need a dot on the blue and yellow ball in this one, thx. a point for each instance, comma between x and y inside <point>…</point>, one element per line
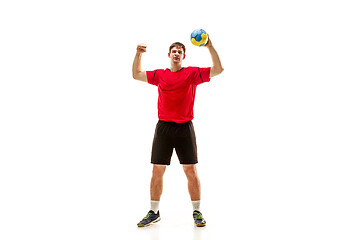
<point>199,37</point>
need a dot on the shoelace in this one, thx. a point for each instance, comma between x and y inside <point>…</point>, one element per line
<point>147,216</point>
<point>198,215</point>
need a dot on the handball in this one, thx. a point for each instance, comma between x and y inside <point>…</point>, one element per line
<point>199,37</point>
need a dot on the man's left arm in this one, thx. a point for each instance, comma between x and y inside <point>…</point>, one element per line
<point>217,68</point>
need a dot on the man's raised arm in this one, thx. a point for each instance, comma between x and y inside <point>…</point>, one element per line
<point>136,69</point>
<point>217,68</point>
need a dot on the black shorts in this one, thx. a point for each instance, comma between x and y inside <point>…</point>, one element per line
<point>170,135</point>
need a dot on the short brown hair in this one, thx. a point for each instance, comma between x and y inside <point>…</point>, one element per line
<point>178,45</point>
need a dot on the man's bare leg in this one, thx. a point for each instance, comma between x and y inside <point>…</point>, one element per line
<point>156,185</point>
<point>194,186</point>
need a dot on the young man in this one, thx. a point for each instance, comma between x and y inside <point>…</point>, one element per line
<point>177,87</point>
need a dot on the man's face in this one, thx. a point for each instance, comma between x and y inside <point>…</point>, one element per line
<point>176,55</point>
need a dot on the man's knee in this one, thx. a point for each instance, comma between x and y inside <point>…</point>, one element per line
<point>158,170</point>
<point>190,170</point>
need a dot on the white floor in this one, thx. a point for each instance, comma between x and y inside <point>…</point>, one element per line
<point>103,203</point>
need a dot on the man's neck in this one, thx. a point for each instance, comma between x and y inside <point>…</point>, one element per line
<point>175,67</point>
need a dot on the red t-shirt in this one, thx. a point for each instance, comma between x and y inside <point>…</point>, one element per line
<point>177,91</point>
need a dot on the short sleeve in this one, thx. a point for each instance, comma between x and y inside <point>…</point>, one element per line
<point>201,75</point>
<point>153,77</point>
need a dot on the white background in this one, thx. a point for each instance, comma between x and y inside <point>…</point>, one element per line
<point>278,131</point>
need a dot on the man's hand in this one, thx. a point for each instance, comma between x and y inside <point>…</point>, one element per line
<point>209,43</point>
<point>141,48</point>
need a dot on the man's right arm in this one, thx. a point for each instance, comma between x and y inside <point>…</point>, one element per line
<point>138,74</point>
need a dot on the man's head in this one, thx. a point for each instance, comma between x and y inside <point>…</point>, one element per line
<point>177,52</point>
<point>177,45</point>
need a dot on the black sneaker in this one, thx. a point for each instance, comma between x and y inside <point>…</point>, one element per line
<point>150,218</point>
<point>198,218</point>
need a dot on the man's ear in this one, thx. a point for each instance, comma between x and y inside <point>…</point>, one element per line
<point>184,56</point>
<point>168,54</point>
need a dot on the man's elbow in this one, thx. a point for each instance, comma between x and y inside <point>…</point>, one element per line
<point>216,71</point>
<point>221,70</point>
<point>141,76</point>
<point>136,75</point>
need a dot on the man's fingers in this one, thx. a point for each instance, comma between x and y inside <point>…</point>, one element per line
<point>141,47</point>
